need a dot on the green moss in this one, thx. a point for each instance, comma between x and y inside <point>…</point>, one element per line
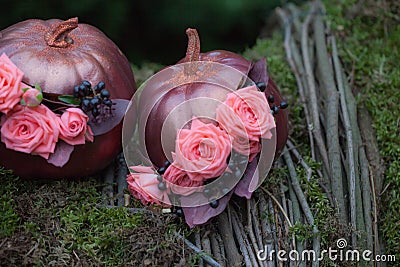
<point>8,217</point>
<point>369,48</point>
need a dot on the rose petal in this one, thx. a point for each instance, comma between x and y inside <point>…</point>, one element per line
<point>195,216</point>
<point>61,154</point>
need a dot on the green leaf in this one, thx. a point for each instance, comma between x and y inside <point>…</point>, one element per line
<point>37,86</point>
<point>69,99</point>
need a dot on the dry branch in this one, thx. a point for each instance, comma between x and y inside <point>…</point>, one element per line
<point>225,229</point>
<point>303,203</point>
<point>305,48</point>
<point>349,139</point>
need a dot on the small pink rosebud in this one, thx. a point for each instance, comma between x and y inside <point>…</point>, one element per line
<point>32,97</point>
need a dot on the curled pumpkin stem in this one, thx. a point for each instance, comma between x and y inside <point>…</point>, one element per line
<point>193,48</point>
<point>58,35</point>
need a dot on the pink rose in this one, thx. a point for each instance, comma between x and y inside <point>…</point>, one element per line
<point>74,129</point>
<point>32,97</point>
<point>143,185</point>
<point>30,130</point>
<point>246,115</point>
<point>246,147</point>
<point>179,181</point>
<point>202,150</point>
<point>10,84</point>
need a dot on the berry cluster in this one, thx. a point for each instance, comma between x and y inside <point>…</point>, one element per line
<point>95,100</point>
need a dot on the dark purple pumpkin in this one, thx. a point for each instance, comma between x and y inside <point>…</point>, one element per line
<point>174,97</point>
<point>58,55</point>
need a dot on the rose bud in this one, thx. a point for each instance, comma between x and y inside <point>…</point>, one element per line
<point>32,97</point>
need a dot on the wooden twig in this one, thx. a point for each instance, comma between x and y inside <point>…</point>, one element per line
<point>222,250</point>
<point>376,237</point>
<point>312,89</point>
<point>278,204</point>
<point>225,229</point>
<point>201,253</point>
<point>251,232</point>
<point>242,245</point>
<point>349,138</point>
<point>303,203</point>
<point>257,226</point>
<point>197,240</point>
<point>328,87</point>
<point>266,229</point>
<point>298,70</point>
<point>299,158</point>
<point>206,243</point>
<point>215,248</point>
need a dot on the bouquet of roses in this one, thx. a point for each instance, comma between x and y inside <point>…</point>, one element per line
<point>206,130</point>
<point>29,126</point>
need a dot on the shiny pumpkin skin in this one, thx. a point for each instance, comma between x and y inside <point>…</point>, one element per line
<point>176,96</point>
<point>91,56</point>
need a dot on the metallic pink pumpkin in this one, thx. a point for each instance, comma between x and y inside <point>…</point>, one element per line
<point>57,55</point>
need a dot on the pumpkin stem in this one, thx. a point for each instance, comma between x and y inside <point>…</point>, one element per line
<point>193,48</point>
<point>58,35</point>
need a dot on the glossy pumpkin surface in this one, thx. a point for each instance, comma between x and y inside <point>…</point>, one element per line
<point>57,55</point>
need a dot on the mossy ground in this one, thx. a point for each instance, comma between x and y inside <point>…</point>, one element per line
<point>60,223</point>
<point>369,35</point>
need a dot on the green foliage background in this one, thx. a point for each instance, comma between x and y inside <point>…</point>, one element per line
<point>154,30</point>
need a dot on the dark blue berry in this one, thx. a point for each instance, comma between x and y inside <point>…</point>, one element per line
<point>159,178</point>
<point>162,186</point>
<point>82,90</point>
<point>87,84</point>
<point>283,105</point>
<point>108,102</point>
<point>101,85</point>
<point>161,170</point>
<point>95,112</point>
<point>271,99</point>
<point>86,103</point>
<point>179,212</point>
<point>95,101</point>
<point>167,163</point>
<point>275,110</point>
<point>214,203</point>
<point>262,86</point>
<point>105,93</point>
<point>76,91</point>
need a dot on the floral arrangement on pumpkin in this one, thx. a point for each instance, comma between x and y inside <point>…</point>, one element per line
<point>207,128</point>
<point>51,131</point>
<point>207,150</point>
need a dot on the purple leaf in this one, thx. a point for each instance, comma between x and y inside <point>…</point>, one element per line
<point>109,123</point>
<point>201,214</point>
<point>61,154</point>
<point>249,181</point>
<point>258,72</point>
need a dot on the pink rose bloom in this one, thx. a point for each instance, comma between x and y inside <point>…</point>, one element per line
<point>202,150</point>
<point>143,185</point>
<point>73,127</point>
<point>31,130</point>
<point>246,147</point>
<point>32,97</point>
<point>10,84</point>
<point>179,181</point>
<point>246,115</point>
